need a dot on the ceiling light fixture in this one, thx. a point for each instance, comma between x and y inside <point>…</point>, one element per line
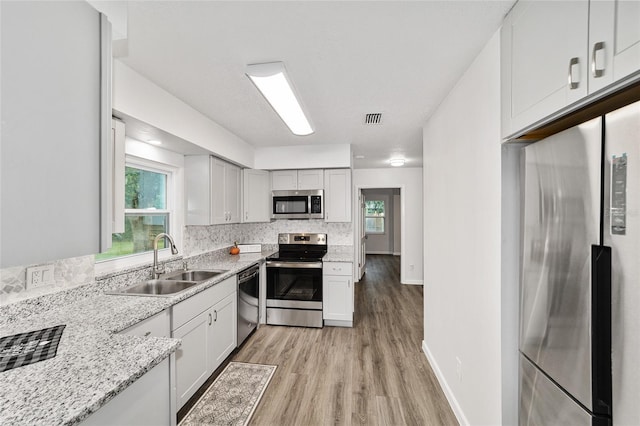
<point>397,162</point>
<point>155,142</point>
<point>272,81</point>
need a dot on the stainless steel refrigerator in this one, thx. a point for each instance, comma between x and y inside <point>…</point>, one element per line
<point>580,281</point>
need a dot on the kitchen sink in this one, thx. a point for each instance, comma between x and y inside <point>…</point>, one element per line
<point>194,275</point>
<point>162,287</point>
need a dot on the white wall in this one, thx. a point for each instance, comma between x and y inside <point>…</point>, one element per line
<point>139,98</point>
<point>326,156</point>
<point>462,231</point>
<point>409,180</point>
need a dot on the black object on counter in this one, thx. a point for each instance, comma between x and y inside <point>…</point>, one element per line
<point>27,348</point>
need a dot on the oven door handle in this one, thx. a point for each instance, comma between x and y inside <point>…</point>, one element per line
<point>299,265</point>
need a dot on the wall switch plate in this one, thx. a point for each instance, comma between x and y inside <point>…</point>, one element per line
<point>38,276</point>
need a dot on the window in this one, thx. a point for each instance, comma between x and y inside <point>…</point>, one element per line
<point>374,216</point>
<point>147,211</point>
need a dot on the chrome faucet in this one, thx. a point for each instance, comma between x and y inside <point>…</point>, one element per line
<point>157,269</point>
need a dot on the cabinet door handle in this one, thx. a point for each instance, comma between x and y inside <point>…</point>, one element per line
<point>246,215</point>
<point>597,72</point>
<point>216,315</point>
<point>573,84</point>
<point>210,318</point>
<point>348,283</point>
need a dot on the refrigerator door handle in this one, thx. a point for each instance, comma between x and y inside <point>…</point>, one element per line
<point>601,383</point>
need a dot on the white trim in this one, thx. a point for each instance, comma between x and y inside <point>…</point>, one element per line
<point>412,282</point>
<point>356,234</point>
<point>379,252</point>
<point>396,253</point>
<point>448,393</point>
<point>173,168</point>
<point>124,262</point>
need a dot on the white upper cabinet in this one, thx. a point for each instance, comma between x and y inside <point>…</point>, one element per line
<point>558,55</point>
<point>213,191</point>
<point>225,192</point>
<point>284,180</point>
<point>197,173</point>
<point>544,59</point>
<point>310,179</point>
<point>297,179</point>
<point>337,196</point>
<point>614,41</point>
<point>256,196</point>
<point>56,124</point>
<point>232,192</point>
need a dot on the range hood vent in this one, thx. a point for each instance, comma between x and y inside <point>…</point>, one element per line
<point>373,118</point>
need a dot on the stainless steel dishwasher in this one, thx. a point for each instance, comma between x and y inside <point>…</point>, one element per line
<point>248,301</point>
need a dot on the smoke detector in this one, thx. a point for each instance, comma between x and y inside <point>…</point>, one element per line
<point>373,118</point>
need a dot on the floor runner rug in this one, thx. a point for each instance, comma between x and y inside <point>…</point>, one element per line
<point>232,397</point>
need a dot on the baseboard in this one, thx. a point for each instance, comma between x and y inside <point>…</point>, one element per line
<point>412,282</point>
<point>338,323</point>
<point>379,252</point>
<point>453,402</point>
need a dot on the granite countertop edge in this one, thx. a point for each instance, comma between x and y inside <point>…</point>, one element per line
<point>103,315</point>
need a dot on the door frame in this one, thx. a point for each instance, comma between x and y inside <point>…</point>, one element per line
<point>357,236</point>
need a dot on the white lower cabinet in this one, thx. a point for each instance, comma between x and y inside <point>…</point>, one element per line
<point>337,294</point>
<point>206,323</point>
<point>223,329</point>
<point>193,357</point>
<point>158,325</point>
<point>146,402</point>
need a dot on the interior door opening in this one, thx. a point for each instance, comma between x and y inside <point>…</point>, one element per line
<point>379,227</point>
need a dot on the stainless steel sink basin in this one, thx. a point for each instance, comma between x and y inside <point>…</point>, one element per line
<point>194,275</point>
<point>162,287</point>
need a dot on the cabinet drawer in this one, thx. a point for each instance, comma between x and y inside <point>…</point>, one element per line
<point>337,268</point>
<point>157,326</point>
<point>187,309</point>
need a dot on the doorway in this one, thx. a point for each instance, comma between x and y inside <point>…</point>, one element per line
<point>379,224</point>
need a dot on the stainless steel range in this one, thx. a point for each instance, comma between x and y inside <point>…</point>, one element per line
<point>294,280</point>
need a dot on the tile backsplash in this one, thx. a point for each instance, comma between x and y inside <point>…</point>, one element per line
<point>77,271</point>
<point>200,239</point>
<point>68,273</point>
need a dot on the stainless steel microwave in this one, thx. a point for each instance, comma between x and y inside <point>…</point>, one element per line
<point>297,204</point>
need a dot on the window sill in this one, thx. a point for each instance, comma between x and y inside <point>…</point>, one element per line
<point>136,261</point>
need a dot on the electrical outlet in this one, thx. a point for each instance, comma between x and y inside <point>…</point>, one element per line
<point>459,369</point>
<point>38,276</point>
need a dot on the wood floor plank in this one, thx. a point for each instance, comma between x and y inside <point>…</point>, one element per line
<point>372,374</point>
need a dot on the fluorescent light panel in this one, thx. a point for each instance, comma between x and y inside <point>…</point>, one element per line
<point>397,162</point>
<point>272,81</point>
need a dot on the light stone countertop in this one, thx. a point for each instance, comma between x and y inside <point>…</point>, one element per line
<point>93,362</point>
<point>339,254</point>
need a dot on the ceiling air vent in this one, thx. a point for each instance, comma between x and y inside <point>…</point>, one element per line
<point>373,118</point>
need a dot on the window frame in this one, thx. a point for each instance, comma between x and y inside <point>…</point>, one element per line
<point>384,217</point>
<point>172,197</point>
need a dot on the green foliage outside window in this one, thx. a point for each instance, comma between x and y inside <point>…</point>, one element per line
<point>146,215</point>
<point>374,212</point>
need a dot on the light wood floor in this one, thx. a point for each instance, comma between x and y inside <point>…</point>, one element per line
<point>372,374</point>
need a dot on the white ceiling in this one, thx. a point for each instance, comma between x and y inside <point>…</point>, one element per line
<point>346,59</point>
